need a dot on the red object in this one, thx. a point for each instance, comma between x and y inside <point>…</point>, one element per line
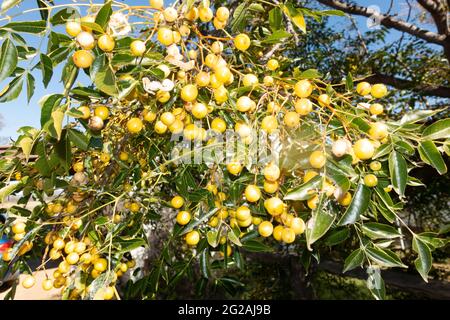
<point>5,246</point>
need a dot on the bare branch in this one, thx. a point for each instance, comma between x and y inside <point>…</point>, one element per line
<point>387,20</point>
<point>426,90</point>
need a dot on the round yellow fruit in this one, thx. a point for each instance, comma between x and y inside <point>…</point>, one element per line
<point>303,88</point>
<point>223,74</point>
<point>273,64</point>
<point>102,112</point>
<point>252,193</point>
<point>168,118</point>
<point>376,109</point>
<point>217,47</point>
<point>370,180</point>
<point>250,80</point>
<point>234,167</point>
<point>244,104</point>
<point>183,217</point>
<point>123,156</point>
<point>72,258</point>
<point>378,131</point>
<point>218,125</point>
<point>86,40</point>
<point>219,24</point>
<point>242,42</point>
<point>317,159</point>
<point>274,206</point>
<point>277,232</point>
<point>363,149</point>
<point>192,238</point>
<point>177,202</point>
<point>223,14</point>
<point>83,59</point>
<point>288,235</point>
<point>137,48</point>
<point>205,14</point>
<point>18,227</point>
<point>363,88</point>
<point>271,172</point>
<point>149,116</point>
<point>346,199</point>
<point>270,186</point>
<point>269,124</point>
<point>73,28</point>
<point>100,264</point>
<point>291,119</point>
<point>28,282</point>
<point>189,93</point>
<point>378,91</point>
<point>375,165</point>
<point>47,284</point>
<point>243,213</point>
<point>85,111</point>
<point>170,14</point>
<point>298,225</point>
<point>265,229</point>
<point>324,100</point>
<point>134,125</point>
<point>108,293</point>
<point>199,110</point>
<point>303,106</point>
<point>202,79</point>
<point>106,43</point>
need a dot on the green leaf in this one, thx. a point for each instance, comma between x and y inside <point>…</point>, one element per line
<point>310,74</point>
<point>64,15</point>
<point>431,155</point>
<point>303,192</point>
<point>46,66</point>
<point>338,13</point>
<point>417,115</point>
<point>104,14</point>
<point>299,21</point>
<point>424,259</point>
<point>8,189</point>
<point>213,238</point>
<point>233,236</point>
<point>275,18</point>
<point>58,118</point>
<point>389,213</point>
<point>383,150</point>
<point>254,245</point>
<point>93,25</point>
<point>8,59</point>
<point>204,263</point>
<point>354,260</point>
<point>26,144</point>
<point>337,236</point>
<point>358,206</point>
<point>49,104</point>
<point>376,230</point>
<point>239,17</point>
<point>30,86</point>
<point>384,257</point>
<point>126,245</point>
<point>375,283</point>
<point>105,80</point>
<point>276,36</point>
<point>349,82</point>
<point>319,223</point>
<point>399,173</point>
<point>38,26</point>
<point>438,130</point>
<point>12,90</point>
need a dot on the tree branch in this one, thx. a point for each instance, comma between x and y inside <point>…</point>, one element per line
<point>436,91</point>
<point>439,14</point>
<point>388,21</point>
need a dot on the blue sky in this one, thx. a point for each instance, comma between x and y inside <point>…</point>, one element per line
<point>20,113</point>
